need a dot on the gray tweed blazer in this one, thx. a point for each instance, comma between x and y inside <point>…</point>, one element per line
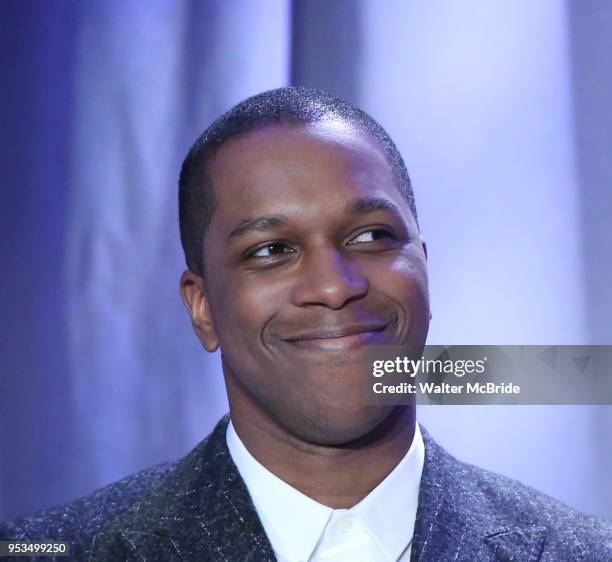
<point>198,509</point>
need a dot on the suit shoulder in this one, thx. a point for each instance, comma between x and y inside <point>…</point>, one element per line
<point>510,502</point>
<point>79,520</point>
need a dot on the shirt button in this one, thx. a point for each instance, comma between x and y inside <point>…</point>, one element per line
<point>345,525</point>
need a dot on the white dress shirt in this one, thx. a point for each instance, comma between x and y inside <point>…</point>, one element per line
<point>300,529</point>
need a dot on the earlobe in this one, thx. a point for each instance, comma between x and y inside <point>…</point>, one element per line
<point>197,305</point>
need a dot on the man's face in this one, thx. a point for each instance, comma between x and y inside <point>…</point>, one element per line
<point>311,254</point>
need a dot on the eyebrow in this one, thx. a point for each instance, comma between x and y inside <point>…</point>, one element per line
<point>361,206</point>
<point>258,224</point>
<point>365,205</point>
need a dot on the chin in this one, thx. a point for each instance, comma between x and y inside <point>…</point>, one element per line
<point>335,426</point>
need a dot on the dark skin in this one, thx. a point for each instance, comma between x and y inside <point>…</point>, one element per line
<point>311,254</point>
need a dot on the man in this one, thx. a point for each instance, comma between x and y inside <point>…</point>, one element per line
<point>300,233</point>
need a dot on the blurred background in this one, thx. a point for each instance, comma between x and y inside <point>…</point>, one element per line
<point>501,110</point>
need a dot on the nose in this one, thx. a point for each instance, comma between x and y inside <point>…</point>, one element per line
<point>329,278</point>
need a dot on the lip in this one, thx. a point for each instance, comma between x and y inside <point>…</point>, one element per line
<point>339,339</point>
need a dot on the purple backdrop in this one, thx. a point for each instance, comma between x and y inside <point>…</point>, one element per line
<point>500,109</point>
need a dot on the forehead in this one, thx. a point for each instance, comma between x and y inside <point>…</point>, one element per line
<point>281,168</point>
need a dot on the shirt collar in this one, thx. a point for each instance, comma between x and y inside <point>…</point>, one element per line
<point>277,504</point>
<point>388,511</point>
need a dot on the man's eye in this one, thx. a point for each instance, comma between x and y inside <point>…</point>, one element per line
<point>269,250</point>
<point>370,236</point>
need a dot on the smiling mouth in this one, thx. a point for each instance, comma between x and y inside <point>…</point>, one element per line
<point>340,339</point>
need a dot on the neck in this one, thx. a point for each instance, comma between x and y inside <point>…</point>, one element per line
<point>338,476</point>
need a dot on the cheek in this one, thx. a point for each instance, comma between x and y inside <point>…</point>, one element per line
<point>404,282</point>
<point>246,306</point>
<point>404,278</point>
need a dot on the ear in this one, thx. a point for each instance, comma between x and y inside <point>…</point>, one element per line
<point>424,244</point>
<point>198,307</point>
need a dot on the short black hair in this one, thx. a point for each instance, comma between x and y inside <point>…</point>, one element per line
<point>290,105</point>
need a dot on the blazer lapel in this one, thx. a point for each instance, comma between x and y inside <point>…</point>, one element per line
<point>203,512</point>
<point>214,517</point>
<point>222,524</point>
<point>451,526</point>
